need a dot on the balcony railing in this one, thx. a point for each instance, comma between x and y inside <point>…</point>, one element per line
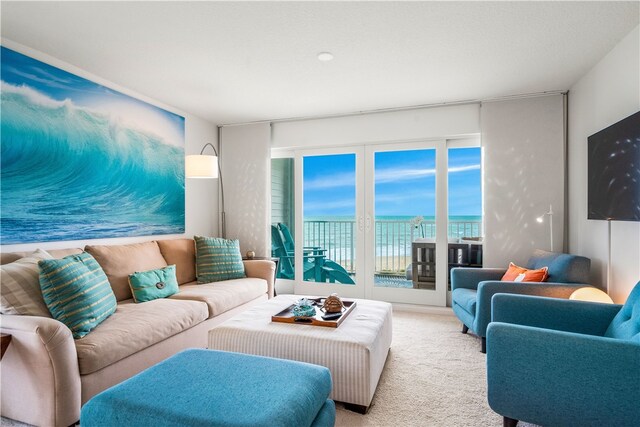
<point>392,239</point>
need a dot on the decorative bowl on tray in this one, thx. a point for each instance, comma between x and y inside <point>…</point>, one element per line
<point>304,308</point>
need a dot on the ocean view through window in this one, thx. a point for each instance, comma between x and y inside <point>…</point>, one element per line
<point>405,203</point>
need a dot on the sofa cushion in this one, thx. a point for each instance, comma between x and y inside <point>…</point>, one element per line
<point>466,299</point>
<point>521,274</point>
<point>119,261</point>
<point>134,327</point>
<point>182,253</point>
<point>153,284</point>
<point>8,257</point>
<point>218,259</point>
<point>77,292</point>
<point>20,291</point>
<point>223,296</point>
<point>563,268</point>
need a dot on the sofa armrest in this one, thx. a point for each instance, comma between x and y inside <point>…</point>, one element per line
<point>581,317</point>
<point>464,277</point>
<point>261,269</point>
<point>40,376</point>
<point>559,378</point>
<point>487,289</point>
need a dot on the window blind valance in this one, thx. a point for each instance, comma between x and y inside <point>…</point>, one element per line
<point>389,126</point>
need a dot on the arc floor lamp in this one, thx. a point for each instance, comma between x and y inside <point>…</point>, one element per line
<point>203,166</point>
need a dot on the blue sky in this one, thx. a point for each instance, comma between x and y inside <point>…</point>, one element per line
<point>48,85</point>
<point>405,183</point>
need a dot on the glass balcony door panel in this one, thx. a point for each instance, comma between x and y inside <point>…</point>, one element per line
<point>465,227</point>
<point>404,249</point>
<point>283,217</point>
<point>465,193</point>
<point>329,222</point>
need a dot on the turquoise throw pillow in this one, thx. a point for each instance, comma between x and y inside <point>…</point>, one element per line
<point>218,259</point>
<point>153,284</point>
<point>77,292</point>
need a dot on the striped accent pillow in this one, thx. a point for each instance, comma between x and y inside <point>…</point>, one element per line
<point>20,288</point>
<point>218,259</point>
<point>77,292</point>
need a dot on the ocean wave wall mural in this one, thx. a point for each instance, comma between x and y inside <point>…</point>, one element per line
<point>81,161</point>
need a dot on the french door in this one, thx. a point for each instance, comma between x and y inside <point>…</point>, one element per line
<point>406,222</point>
<point>373,222</point>
<point>330,222</point>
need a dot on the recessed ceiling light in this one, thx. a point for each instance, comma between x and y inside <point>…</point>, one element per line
<point>325,56</point>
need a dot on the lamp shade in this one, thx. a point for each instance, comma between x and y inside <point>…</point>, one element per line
<point>591,294</point>
<point>201,166</point>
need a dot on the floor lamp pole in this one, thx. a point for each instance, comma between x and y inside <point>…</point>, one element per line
<point>608,255</point>
<point>551,226</point>
<point>223,222</point>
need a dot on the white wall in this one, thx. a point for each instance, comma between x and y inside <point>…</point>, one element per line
<point>524,172</point>
<point>609,92</point>
<point>201,201</point>
<point>246,169</point>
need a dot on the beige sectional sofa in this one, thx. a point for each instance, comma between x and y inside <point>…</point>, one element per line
<point>46,375</point>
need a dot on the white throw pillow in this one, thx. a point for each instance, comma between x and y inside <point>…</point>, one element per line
<point>20,286</point>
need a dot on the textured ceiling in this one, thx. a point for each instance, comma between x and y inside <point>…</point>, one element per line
<point>243,61</point>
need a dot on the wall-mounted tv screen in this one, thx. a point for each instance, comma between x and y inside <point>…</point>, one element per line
<point>614,171</point>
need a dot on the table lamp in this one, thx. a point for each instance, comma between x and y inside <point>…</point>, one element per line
<point>591,294</point>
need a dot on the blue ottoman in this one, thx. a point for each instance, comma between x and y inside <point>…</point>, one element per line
<point>216,388</point>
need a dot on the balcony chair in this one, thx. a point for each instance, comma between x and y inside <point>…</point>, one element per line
<point>312,264</point>
<point>290,245</point>
<point>557,362</point>
<point>472,288</point>
<point>329,270</point>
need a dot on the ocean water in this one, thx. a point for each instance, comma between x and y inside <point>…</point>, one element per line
<point>393,235</point>
<point>68,173</point>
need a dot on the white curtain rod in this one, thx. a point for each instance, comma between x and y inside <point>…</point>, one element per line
<point>393,109</point>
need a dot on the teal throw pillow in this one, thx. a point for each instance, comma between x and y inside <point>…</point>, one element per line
<point>218,259</point>
<point>76,292</point>
<point>153,284</point>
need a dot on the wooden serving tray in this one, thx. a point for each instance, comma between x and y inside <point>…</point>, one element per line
<point>286,316</point>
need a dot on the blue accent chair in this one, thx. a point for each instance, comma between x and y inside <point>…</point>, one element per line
<point>472,288</point>
<point>557,362</point>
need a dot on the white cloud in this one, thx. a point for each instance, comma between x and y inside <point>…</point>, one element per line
<point>383,176</point>
<point>405,196</point>
<point>333,204</point>
<point>401,174</point>
<point>347,179</point>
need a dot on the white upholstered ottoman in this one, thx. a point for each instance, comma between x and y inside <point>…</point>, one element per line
<point>354,352</point>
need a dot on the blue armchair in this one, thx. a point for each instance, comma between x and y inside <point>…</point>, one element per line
<point>472,288</point>
<point>557,362</point>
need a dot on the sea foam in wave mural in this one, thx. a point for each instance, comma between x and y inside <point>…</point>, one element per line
<point>82,161</point>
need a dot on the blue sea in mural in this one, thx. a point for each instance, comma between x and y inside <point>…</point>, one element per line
<point>81,161</point>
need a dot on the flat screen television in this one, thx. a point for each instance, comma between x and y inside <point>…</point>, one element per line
<point>614,171</point>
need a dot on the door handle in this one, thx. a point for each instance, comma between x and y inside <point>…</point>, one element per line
<point>361,223</point>
<point>368,222</point>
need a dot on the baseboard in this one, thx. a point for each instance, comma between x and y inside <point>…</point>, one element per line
<point>427,309</point>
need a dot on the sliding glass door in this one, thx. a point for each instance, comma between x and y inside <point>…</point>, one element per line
<point>330,222</point>
<point>385,222</point>
<point>406,223</point>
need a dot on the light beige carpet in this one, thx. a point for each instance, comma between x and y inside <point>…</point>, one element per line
<point>434,376</point>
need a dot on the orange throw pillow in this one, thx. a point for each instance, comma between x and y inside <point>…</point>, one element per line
<point>519,274</point>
